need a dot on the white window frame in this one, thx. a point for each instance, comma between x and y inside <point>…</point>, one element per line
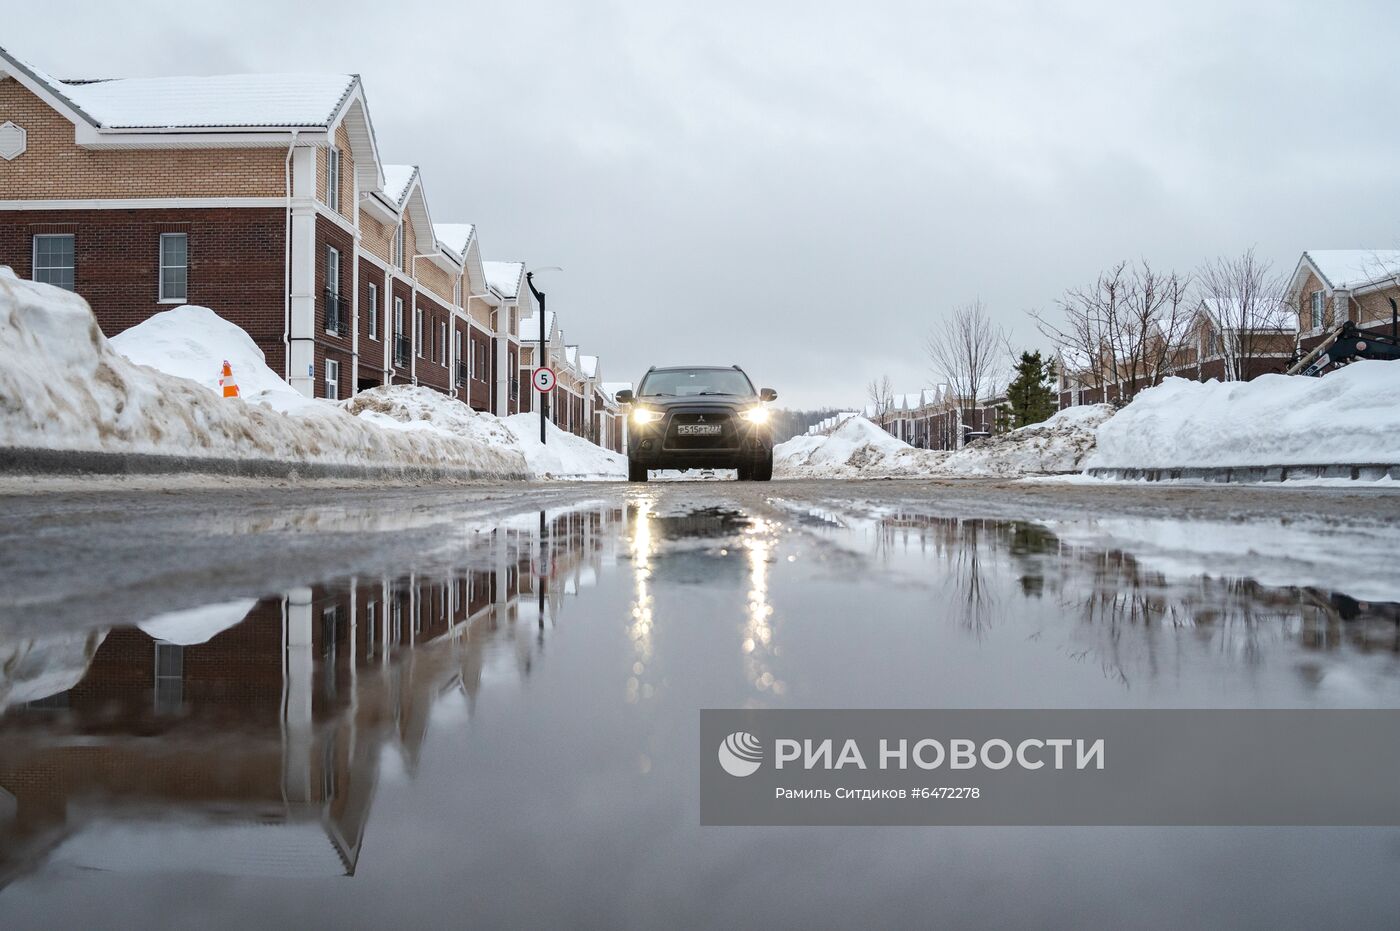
<point>418,331</point>
<point>333,178</point>
<point>333,277</point>
<point>457,346</point>
<point>398,317</point>
<point>333,379</point>
<point>372,331</point>
<point>1317,311</point>
<point>34,258</point>
<point>161,296</point>
<point>442,343</point>
<point>396,249</point>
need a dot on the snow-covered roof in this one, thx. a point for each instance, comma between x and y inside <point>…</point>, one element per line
<point>588,365</point>
<point>504,278</point>
<point>571,355</point>
<point>530,327</point>
<point>455,236</point>
<point>291,100</point>
<point>1354,268</point>
<point>397,179</point>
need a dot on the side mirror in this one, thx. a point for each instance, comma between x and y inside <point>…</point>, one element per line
<point>767,394</point>
<point>624,396</point>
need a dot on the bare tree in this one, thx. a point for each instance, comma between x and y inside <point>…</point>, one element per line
<point>1124,331</point>
<point>880,391</point>
<point>1244,305</point>
<point>969,352</point>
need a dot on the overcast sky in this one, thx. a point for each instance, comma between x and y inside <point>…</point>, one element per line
<point>804,187</point>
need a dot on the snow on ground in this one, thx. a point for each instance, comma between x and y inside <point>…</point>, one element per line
<point>64,386</point>
<point>194,342</point>
<point>1350,416</point>
<point>564,456</point>
<point>1057,445</point>
<point>193,626</point>
<point>856,449</point>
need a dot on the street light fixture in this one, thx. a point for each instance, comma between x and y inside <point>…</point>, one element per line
<point>544,337</point>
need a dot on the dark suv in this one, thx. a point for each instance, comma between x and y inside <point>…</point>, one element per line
<point>698,417</point>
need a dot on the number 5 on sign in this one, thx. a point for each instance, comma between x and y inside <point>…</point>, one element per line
<point>543,379</point>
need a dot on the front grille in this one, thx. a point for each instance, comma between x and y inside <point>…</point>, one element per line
<point>728,438</point>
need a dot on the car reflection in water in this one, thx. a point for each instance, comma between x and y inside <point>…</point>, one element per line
<point>247,737</point>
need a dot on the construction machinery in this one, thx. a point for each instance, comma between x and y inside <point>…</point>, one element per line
<point>1346,344</point>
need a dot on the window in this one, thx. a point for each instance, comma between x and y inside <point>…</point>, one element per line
<point>442,343</point>
<point>170,677</point>
<point>174,267</point>
<point>332,379</point>
<point>53,260</point>
<point>372,308</point>
<point>1318,304</point>
<point>418,331</point>
<point>333,179</point>
<point>396,247</point>
<point>332,290</point>
<point>398,317</point>
<point>457,343</point>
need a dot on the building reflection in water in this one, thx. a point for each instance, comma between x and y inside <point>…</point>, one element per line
<point>246,737</point>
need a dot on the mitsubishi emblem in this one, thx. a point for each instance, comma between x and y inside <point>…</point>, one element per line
<point>700,419</point>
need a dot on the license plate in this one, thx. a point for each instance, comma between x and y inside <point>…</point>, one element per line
<point>699,429</point>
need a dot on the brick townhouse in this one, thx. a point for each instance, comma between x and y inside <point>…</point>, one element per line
<point>263,197</point>
<point>1327,287</point>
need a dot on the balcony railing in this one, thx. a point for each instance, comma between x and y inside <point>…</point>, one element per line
<point>335,312</point>
<point>462,373</point>
<point>403,350</point>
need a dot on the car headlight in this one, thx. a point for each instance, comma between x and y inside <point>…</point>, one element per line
<point>756,415</point>
<point>643,416</point>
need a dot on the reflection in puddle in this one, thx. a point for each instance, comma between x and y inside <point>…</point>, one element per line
<point>248,737</point>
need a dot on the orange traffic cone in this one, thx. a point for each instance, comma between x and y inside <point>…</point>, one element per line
<point>227,383</point>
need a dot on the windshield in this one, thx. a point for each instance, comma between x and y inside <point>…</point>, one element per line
<point>687,383</point>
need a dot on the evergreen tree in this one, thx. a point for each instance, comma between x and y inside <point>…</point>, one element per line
<point>1031,393</point>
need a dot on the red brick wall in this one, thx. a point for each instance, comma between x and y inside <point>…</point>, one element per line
<point>402,372</point>
<point>371,350</point>
<point>482,368</point>
<point>339,347</point>
<point>430,371</point>
<point>236,263</point>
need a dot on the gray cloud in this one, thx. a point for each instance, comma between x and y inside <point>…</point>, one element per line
<point>803,187</point>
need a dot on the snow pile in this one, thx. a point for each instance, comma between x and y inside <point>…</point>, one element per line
<point>564,455</point>
<point>34,669</point>
<point>1059,444</point>
<point>414,407</point>
<point>194,342</point>
<point>194,626</point>
<point>63,386</point>
<point>1349,417</point>
<point>855,449</point>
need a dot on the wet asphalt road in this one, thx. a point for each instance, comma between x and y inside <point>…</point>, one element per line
<point>236,706</point>
<point>137,546</point>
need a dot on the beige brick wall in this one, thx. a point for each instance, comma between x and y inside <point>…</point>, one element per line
<point>375,236</point>
<point>347,170</point>
<point>53,167</point>
<point>1369,309</point>
<point>434,279</point>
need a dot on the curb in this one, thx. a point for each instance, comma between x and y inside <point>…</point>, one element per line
<point>31,461</point>
<point>1251,474</point>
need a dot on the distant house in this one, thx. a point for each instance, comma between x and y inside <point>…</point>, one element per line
<point>1332,285</point>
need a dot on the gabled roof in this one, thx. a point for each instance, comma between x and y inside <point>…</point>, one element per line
<point>397,181</point>
<point>1350,269</point>
<point>221,101</point>
<point>505,277</point>
<point>455,236</point>
<point>530,327</point>
<point>571,355</point>
<point>588,365</point>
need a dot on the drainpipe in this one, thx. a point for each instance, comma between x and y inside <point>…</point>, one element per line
<point>287,266</point>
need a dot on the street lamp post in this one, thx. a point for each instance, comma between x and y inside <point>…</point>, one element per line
<point>544,338</point>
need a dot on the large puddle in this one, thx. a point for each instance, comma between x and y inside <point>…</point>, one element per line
<point>515,739</point>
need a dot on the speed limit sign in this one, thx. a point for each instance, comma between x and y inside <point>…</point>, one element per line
<point>543,379</point>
